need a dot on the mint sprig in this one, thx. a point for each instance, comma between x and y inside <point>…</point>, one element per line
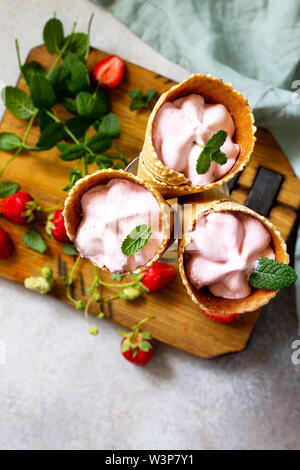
<point>70,249</point>
<point>34,240</point>
<point>137,238</point>
<point>67,82</point>
<point>272,275</point>
<point>8,188</point>
<point>138,100</point>
<point>211,152</point>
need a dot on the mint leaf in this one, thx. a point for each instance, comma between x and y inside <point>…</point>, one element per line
<point>53,35</point>
<point>217,140</point>
<point>8,188</point>
<point>42,92</point>
<point>58,77</point>
<point>70,105</point>
<point>70,249</point>
<point>138,100</point>
<point>75,175</point>
<point>110,125</point>
<point>79,77</point>
<point>104,162</point>
<point>78,126</point>
<point>18,103</point>
<point>79,45</point>
<point>117,277</point>
<point>72,152</point>
<point>51,135</point>
<point>99,143</point>
<point>85,104</point>
<point>136,93</point>
<point>272,275</point>
<point>203,162</point>
<point>149,95</point>
<point>31,68</point>
<point>219,157</point>
<point>44,119</point>
<point>211,151</point>
<point>137,238</point>
<point>33,240</point>
<point>9,141</point>
<point>102,103</point>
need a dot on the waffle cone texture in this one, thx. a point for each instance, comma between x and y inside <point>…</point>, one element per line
<point>73,211</point>
<point>197,206</point>
<point>171,183</point>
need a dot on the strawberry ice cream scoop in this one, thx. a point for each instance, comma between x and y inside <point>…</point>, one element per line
<point>223,252</point>
<point>180,123</point>
<point>111,212</point>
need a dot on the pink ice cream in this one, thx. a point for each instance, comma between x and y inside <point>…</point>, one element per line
<point>110,212</point>
<point>223,252</point>
<point>180,123</point>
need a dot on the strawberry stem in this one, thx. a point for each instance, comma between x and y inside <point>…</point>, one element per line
<point>136,327</point>
<point>51,209</point>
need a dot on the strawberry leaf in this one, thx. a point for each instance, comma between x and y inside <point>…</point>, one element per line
<point>145,346</point>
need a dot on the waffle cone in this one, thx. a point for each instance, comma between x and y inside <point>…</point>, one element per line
<point>214,90</point>
<point>196,207</point>
<point>73,212</point>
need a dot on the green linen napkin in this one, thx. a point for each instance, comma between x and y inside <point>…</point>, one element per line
<point>254,45</point>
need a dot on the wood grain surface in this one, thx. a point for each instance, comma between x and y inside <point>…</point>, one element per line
<point>177,321</point>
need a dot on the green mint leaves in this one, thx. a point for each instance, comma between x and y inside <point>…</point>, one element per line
<point>138,100</point>
<point>272,275</point>
<point>136,239</point>
<point>53,35</point>
<point>70,249</point>
<point>34,240</point>
<point>8,188</point>
<point>9,141</point>
<point>110,125</point>
<point>19,103</point>
<point>42,92</point>
<point>67,82</point>
<point>211,152</point>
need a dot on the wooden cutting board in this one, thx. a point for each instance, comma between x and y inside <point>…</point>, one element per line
<point>178,322</point>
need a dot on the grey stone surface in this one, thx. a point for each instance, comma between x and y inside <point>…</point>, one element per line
<point>64,389</point>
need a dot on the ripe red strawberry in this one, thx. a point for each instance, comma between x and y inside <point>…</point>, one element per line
<point>109,72</point>
<point>220,317</point>
<point>6,244</point>
<point>137,346</point>
<point>19,208</point>
<point>158,276</point>
<point>56,227</point>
